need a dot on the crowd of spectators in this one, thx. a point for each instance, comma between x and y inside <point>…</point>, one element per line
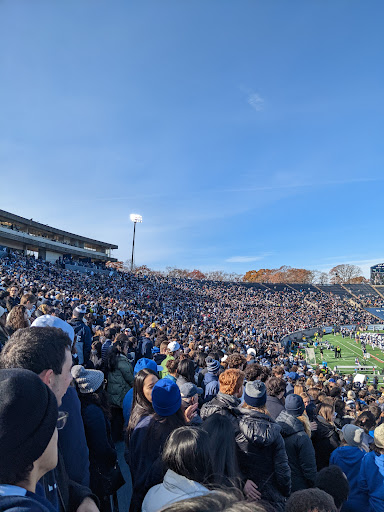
<point>193,378</point>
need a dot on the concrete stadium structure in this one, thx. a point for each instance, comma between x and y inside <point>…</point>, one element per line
<point>50,243</point>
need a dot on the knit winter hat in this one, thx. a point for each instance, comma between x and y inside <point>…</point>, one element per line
<point>352,434</point>
<point>255,393</point>
<point>79,311</point>
<point>294,405</point>
<point>166,397</point>
<point>379,436</point>
<point>88,381</point>
<point>28,418</point>
<point>213,366</point>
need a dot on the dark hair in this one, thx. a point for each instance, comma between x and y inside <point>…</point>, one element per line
<point>140,405</point>
<point>219,501</point>
<point>113,353</point>
<point>366,421</point>
<point>172,365</point>
<point>236,361</point>
<point>308,500</point>
<point>253,371</point>
<point>275,386</point>
<point>186,452</point>
<point>200,360</point>
<point>10,478</point>
<point>223,450</point>
<point>99,398</point>
<point>333,481</point>
<point>36,349</point>
<point>186,369</point>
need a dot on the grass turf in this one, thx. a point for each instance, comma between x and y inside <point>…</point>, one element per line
<point>349,350</point>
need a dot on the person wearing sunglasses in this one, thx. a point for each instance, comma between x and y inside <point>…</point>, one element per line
<point>28,439</point>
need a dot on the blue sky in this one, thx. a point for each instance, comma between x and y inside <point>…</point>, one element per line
<point>248,134</point>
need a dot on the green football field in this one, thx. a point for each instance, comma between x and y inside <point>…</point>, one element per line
<point>349,350</point>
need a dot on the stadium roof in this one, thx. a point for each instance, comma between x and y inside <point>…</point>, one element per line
<point>11,217</point>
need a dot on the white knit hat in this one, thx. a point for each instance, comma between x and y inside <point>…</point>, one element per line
<point>88,381</point>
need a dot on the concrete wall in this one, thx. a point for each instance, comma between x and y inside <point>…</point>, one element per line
<point>52,256</point>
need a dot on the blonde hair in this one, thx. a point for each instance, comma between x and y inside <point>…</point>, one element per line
<point>263,409</point>
<point>305,421</point>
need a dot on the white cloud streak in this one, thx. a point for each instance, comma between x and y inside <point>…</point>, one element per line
<point>245,259</point>
<point>256,101</point>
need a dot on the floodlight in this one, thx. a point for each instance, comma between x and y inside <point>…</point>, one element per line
<point>135,217</point>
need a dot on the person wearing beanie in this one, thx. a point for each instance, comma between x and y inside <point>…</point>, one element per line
<point>46,351</point>
<point>262,455</point>
<point>146,441</point>
<point>296,432</point>
<point>210,383</point>
<point>28,448</point>
<point>228,398</point>
<point>95,412</point>
<point>348,456</point>
<point>83,335</point>
<point>371,474</point>
<point>128,399</point>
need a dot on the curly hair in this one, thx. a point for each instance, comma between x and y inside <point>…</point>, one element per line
<point>253,371</point>
<point>16,318</point>
<point>231,381</point>
<point>237,361</point>
<point>275,386</point>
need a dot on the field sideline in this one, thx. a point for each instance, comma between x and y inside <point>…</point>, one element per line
<point>349,350</point>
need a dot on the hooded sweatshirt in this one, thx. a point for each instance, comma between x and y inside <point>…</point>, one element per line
<point>17,499</point>
<point>372,481</point>
<point>349,458</point>
<point>174,488</point>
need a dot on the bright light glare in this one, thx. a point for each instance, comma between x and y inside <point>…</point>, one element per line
<point>135,217</point>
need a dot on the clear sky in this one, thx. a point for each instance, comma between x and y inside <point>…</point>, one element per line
<point>248,134</point>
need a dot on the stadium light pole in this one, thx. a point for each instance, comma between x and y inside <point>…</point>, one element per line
<point>134,218</point>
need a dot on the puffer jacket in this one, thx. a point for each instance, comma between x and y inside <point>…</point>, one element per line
<point>173,488</point>
<point>262,456</point>
<point>325,439</point>
<point>223,404</point>
<point>120,381</point>
<point>300,451</point>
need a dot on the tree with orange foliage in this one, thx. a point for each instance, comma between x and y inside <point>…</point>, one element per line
<point>196,274</point>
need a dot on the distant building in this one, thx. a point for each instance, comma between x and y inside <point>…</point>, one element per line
<point>377,274</point>
<point>50,244</point>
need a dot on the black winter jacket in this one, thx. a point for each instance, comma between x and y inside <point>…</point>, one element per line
<point>263,458</point>
<point>222,404</point>
<point>300,451</point>
<point>274,406</point>
<point>325,439</point>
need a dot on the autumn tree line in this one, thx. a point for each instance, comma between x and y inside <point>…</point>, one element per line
<point>341,274</point>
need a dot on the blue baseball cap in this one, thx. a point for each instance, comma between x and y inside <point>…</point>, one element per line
<point>166,397</point>
<point>147,363</point>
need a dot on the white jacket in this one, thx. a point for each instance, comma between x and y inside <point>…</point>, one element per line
<point>174,488</point>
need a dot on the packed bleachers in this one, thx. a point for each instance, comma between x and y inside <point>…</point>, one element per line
<point>163,366</point>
